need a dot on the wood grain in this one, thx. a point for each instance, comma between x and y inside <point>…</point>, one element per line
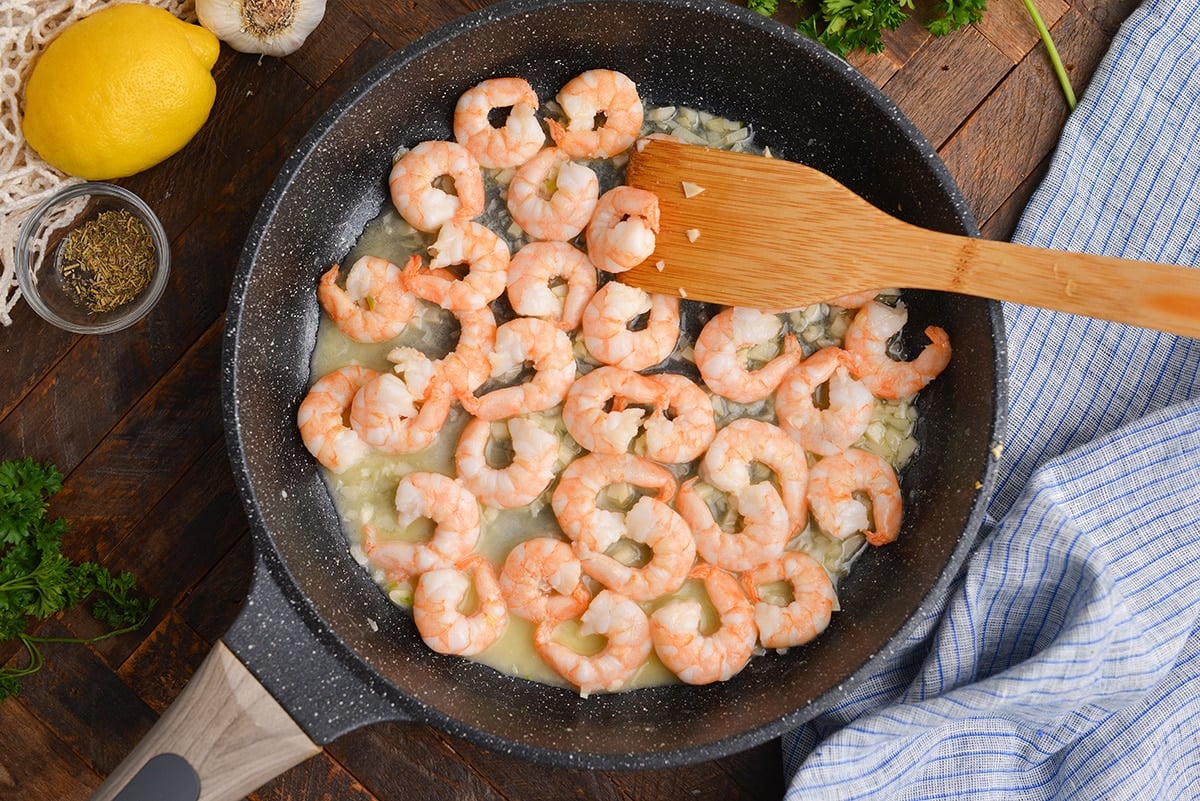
<point>133,419</point>
<point>745,206</point>
<point>232,733</point>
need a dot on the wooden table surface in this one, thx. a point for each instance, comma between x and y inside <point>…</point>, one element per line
<point>133,419</point>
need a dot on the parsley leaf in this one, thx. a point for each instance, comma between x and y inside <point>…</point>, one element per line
<point>37,581</point>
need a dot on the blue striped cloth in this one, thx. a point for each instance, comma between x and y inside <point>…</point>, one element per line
<point>1065,662</point>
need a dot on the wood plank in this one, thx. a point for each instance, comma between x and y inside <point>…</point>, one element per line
<point>181,539</point>
<point>1001,144</point>
<point>1010,27</point>
<point>404,760</point>
<point>145,454</point>
<point>162,664</point>
<point>900,44</point>
<point>1003,222</point>
<point>33,763</point>
<point>399,24</point>
<point>945,80</point>
<point>210,607</point>
<point>318,777</point>
<point>76,695</point>
<point>341,31</point>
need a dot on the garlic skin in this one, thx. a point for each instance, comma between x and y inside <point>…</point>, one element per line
<point>269,27</point>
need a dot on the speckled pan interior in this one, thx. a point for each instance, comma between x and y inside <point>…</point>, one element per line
<point>808,106</point>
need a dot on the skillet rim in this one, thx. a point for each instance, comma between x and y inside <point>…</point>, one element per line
<point>273,561</point>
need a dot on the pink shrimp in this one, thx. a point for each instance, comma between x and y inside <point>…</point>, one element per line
<point>610,339</point>
<point>524,340</point>
<point>597,411</point>
<point>470,358</point>
<point>433,496</point>
<point>660,528</point>
<point>375,305</point>
<point>833,485</point>
<point>543,578</point>
<point>416,177</point>
<point>468,243</point>
<point>728,463</point>
<point>538,270</point>
<point>763,535</point>
<point>623,229</point>
<point>395,415</point>
<point>807,613</point>
<point>598,95</point>
<point>322,418</point>
<point>552,197</point>
<point>682,425</point>
<point>694,656</point>
<point>721,350</point>
<point>523,479</point>
<point>576,499</point>
<point>436,608</point>
<point>510,145</point>
<point>867,339</point>
<point>627,644</point>
<point>846,414</point>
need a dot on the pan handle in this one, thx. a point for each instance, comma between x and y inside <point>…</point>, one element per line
<point>222,737</point>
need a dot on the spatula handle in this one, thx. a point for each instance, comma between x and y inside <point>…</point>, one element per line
<point>1157,296</point>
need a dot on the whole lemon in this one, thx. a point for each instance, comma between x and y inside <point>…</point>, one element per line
<point>119,91</point>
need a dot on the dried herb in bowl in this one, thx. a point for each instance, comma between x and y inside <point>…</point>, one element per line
<point>108,261</point>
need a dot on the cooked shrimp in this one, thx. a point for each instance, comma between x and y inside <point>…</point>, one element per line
<point>729,461</point>
<point>518,483</point>
<point>469,358</point>
<point>808,612</point>
<point>455,515</point>
<point>510,145</point>
<point>416,178</point>
<point>623,228</point>
<point>694,656</point>
<point>322,418</point>
<point>393,417</point>
<point>597,411</point>
<point>765,526</point>
<point>867,339</point>
<point>552,280</point>
<point>660,528</point>
<point>552,197</point>
<point>577,503</point>
<point>722,354</point>
<point>518,342</point>
<point>437,608</point>
<point>626,630</point>
<point>606,97</point>
<point>478,248</point>
<point>835,481</point>
<point>375,305</point>
<point>846,414</point>
<point>610,339</point>
<point>682,425</point>
<point>543,578</point>
<point>856,300</point>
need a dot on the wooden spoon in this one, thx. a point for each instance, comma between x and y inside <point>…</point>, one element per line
<point>771,233</point>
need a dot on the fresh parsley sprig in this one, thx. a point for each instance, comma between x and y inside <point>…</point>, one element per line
<point>37,581</point>
<point>846,26</point>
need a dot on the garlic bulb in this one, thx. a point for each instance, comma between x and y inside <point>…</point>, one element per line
<point>270,27</point>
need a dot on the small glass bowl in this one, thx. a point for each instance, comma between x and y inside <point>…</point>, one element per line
<point>40,250</point>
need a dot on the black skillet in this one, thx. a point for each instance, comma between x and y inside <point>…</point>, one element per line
<point>319,650</point>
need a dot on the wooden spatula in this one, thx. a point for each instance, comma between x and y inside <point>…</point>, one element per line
<point>771,233</point>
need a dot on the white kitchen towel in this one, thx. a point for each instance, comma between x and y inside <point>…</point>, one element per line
<point>1065,661</point>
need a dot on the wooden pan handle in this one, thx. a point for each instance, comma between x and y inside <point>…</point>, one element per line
<point>224,725</point>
